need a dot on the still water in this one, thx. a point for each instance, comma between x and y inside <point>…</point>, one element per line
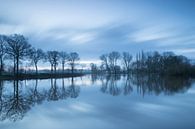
<point>98,102</point>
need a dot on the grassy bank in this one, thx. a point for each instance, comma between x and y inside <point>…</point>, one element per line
<point>39,76</point>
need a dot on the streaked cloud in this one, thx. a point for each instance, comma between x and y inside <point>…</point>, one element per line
<point>95,27</point>
<point>83,38</point>
<point>149,34</point>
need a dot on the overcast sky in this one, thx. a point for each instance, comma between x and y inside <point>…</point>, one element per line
<point>93,27</point>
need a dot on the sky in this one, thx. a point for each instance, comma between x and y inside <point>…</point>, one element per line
<point>94,27</point>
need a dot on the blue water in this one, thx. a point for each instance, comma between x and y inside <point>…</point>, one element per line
<point>98,103</point>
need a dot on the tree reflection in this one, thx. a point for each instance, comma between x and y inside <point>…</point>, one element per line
<point>53,94</point>
<point>15,104</point>
<point>109,84</point>
<point>128,86</point>
<point>160,84</point>
<point>35,96</point>
<point>17,101</point>
<point>144,84</point>
<point>1,96</point>
<point>73,90</point>
<point>64,93</point>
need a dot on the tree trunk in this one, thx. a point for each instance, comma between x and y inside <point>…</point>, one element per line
<point>36,68</point>
<point>1,67</point>
<point>72,69</point>
<point>14,66</point>
<point>55,68</point>
<point>62,67</point>
<point>17,66</point>
<point>51,68</point>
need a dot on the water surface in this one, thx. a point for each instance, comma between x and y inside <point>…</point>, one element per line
<point>98,102</point>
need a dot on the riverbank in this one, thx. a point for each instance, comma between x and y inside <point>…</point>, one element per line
<point>39,76</point>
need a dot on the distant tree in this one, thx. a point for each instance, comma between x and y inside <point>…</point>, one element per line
<point>166,63</point>
<point>53,58</point>
<point>36,55</point>
<point>104,59</point>
<point>64,57</point>
<point>94,68</point>
<point>101,68</point>
<point>2,52</point>
<point>73,58</point>
<point>113,59</point>
<point>126,58</point>
<point>82,67</point>
<point>17,48</point>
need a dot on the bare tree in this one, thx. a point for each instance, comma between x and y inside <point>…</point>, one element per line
<point>2,52</point>
<point>73,58</point>
<point>126,58</point>
<point>104,59</point>
<point>94,68</point>
<point>36,55</point>
<point>64,57</point>
<point>113,59</point>
<point>17,48</point>
<point>53,58</point>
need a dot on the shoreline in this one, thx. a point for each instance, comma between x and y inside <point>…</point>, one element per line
<point>39,76</point>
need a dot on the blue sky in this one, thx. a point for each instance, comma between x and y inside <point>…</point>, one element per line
<point>93,27</point>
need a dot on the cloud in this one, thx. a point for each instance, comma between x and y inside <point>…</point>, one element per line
<point>184,50</point>
<point>11,29</point>
<point>82,38</point>
<point>164,36</point>
<point>93,28</point>
<point>151,33</point>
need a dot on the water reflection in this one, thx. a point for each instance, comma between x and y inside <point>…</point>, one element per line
<point>18,98</point>
<point>150,84</point>
<point>158,84</point>
<point>110,85</point>
<point>15,104</point>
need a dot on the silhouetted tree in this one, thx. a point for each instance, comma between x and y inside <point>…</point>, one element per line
<point>53,58</point>
<point>64,57</point>
<point>105,62</point>
<point>3,41</point>
<point>126,58</point>
<point>113,58</point>
<point>17,48</point>
<point>36,55</point>
<point>94,68</point>
<point>73,58</point>
<point>166,63</point>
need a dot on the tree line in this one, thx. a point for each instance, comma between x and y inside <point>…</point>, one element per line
<point>16,49</point>
<point>166,63</point>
